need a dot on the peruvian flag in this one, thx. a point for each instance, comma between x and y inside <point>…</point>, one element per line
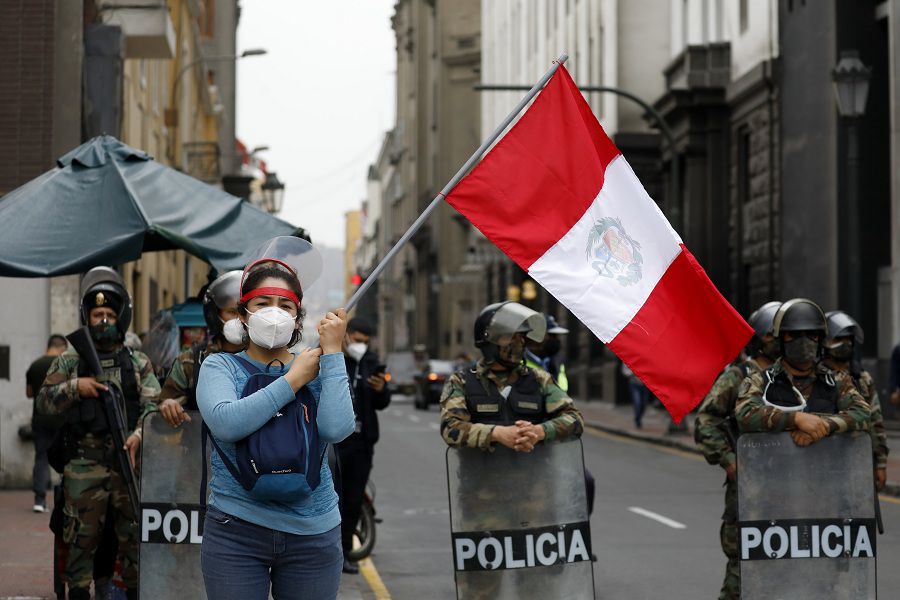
<point>558,198</point>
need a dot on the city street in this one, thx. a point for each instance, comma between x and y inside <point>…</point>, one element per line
<point>654,528</point>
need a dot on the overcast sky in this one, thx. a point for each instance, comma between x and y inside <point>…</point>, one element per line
<point>321,99</point>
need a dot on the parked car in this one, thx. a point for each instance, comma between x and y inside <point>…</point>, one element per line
<point>430,382</point>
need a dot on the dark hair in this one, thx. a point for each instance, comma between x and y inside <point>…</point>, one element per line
<point>361,325</point>
<point>260,274</point>
<point>57,341</point>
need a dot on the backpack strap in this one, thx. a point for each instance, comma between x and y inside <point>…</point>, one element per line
<point>251,369</point>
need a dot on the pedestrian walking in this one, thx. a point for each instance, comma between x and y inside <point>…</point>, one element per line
<point>272,522</point>
<point>43,427</point>
<point>370,394</point>
<point>640,395</point>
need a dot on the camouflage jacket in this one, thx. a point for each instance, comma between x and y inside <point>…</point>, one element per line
<point>178,383</point>
<point>458,428</point>
<point>714,429</point>
<point>60,389</point>
<point>753,415</point>
<point>866,387</point>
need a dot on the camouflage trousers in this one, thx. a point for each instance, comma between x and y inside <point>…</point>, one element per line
<point>728,535</point>
<point>90,487</point>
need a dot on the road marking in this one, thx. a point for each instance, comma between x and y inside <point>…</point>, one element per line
<point>368,570</point>
<point>890,499</point>
<point>434,426</point>
<point>657,517</point>
<point>643,444</point>
<point>415,418</point>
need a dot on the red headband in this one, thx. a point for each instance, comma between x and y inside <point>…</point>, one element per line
<point>271,291</point>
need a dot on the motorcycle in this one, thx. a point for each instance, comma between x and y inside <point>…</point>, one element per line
<point>365,528</point>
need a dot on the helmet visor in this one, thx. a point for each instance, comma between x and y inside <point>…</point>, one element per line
<point>513,318</point>
<point>225,291</point>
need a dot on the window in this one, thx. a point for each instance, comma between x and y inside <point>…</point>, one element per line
<point>744,15</point>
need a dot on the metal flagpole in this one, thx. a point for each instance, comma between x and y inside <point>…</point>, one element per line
<point>364,287</point>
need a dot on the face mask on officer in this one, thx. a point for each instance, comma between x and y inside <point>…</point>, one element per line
<point>770,348</point>
<point>271,327</point>
<point>234,332</point>
<point>511,354</point>
<point>105,334</point>
<point>801,351</point>
<point>841,350</point>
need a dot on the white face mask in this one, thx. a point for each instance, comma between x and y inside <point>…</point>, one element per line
<point>271,327</point>
<point>356,350</point>
<point>234,332</point>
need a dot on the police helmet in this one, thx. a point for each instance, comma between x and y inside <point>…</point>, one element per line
<point>497,323</point>
<point>762,321</point>
<point>799,314</point>
<point>223,292</point>
<point>553,327</point>
<point>103,286</point>
<point>840,324</point>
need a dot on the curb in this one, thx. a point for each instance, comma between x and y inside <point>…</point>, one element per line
<point>891,489</point>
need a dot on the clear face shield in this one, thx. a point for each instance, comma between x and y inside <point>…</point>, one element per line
<point>294,255</point>
<point>801,401</point>
<point>513,318</point>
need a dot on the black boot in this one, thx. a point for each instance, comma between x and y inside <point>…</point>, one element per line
<point>350,568</point>
<point>79,594</point>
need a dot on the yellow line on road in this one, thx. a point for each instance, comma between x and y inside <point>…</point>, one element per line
<point>636,442</point>
<point>890,499</point>
<point>367,568</point>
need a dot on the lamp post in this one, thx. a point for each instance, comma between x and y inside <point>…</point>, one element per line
<point>171,115</point>
<point>851,87</point>
<point>273,193</point>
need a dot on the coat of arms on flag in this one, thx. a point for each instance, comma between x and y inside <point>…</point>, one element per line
<point>613,253</point>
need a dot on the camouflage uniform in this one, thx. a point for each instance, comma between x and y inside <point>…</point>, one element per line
<point>715,432</point>
<point>852,414</point>
<point>91,485</point>
<point>876,423</point>
<point>458,428</point>
<point>180,379</point>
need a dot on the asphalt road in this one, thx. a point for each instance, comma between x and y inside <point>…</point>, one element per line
<point>654,528</point>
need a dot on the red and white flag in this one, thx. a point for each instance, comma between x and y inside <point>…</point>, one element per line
<point>558,198</point>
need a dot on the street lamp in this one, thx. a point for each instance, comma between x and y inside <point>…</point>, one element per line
<point>273,193</point>
<point>171,115</point>
<point>851,89</point>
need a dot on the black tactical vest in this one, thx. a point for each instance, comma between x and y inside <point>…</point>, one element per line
<point>823,399</point>
<point>524,403</point>
<point>89,415</point>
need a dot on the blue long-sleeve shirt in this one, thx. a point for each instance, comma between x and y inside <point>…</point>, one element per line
<point>231,418</point>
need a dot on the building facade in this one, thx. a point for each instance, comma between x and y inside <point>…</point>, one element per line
<point>74,69</point>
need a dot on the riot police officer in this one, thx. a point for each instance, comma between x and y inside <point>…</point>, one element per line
<point>500,400</point>
<point>844,334</point>
<point>92,478</point>
<point>716,431</point>
<point>225,334</point>
<point>546,354</point>
<point>800,393</point>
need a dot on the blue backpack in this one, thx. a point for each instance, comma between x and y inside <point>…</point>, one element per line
<point>281,460</point>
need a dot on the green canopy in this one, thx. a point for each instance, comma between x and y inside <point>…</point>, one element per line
<point>106,203</point>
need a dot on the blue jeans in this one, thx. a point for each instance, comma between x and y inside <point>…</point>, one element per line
<point>240,560</point>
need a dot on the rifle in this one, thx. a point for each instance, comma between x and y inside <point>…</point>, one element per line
<point>83,343</point>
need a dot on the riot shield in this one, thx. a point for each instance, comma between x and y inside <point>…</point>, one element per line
<point>806,517</point>
<point>171,525</point>
<point>519,523</point>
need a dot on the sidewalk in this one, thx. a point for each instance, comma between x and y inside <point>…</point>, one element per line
<point>26,553</point>
<point>619,419</point>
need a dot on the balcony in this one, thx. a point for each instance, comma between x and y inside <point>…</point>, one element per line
<point>146,26</point>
